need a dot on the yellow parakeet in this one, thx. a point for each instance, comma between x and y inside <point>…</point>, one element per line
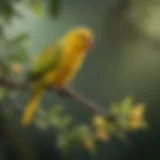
<point>57,65</point>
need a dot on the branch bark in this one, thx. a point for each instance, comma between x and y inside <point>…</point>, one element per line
<point>65,92</point>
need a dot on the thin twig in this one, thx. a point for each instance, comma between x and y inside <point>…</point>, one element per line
<point>66,92</point>
<point>92,106</point>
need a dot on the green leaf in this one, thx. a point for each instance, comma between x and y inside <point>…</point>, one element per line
<point>54,7</point>
<point>55,110</point>
<point>122,122</point>
<point>63,142</point>
<point>82,131</point>
<point>36,6</point>
<point>114,109</point>
<point>55,121</point>
<point>41,123</point>
<point>19,38</point>
<point>111,127</point>
<point>65,121</point>
<point>20,55</point>
<point>126,105</point>
<point>6,9</point>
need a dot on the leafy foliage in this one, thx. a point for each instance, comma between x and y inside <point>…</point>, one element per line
<point>71,134</point>
<point>19,53</point>
<point>53,7</point>
<point>7,9</point>
<point>13,56</point>
<point>36,6</point>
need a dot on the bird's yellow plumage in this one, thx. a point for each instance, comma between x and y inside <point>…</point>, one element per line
<point>57,65</point>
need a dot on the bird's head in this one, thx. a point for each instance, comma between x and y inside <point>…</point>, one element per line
<point>79,38</point>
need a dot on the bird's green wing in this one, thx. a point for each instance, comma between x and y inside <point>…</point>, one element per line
<point>47,61</point>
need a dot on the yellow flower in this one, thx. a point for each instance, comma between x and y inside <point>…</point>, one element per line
<point>102,135</point>
<point>16,68</point>
<point>137,112</point>
<point>136,117</point>
<point>87,143</point>
<point>98,121</point>
<point>134,124</point>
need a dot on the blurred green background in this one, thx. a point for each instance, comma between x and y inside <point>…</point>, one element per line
<point>124,61</point>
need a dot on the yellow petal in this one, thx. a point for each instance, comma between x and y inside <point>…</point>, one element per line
<point>98,121</point>
<point>87,143</point>
<point>134,124</point>
<point>16,68</point>
<point>137,112</point>
<point>102,135</point>
<point>37,8</point>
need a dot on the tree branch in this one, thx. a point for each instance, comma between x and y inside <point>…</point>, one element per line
<point>65,92</point>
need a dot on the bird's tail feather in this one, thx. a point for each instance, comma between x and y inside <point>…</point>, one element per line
<point>31,106</point>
